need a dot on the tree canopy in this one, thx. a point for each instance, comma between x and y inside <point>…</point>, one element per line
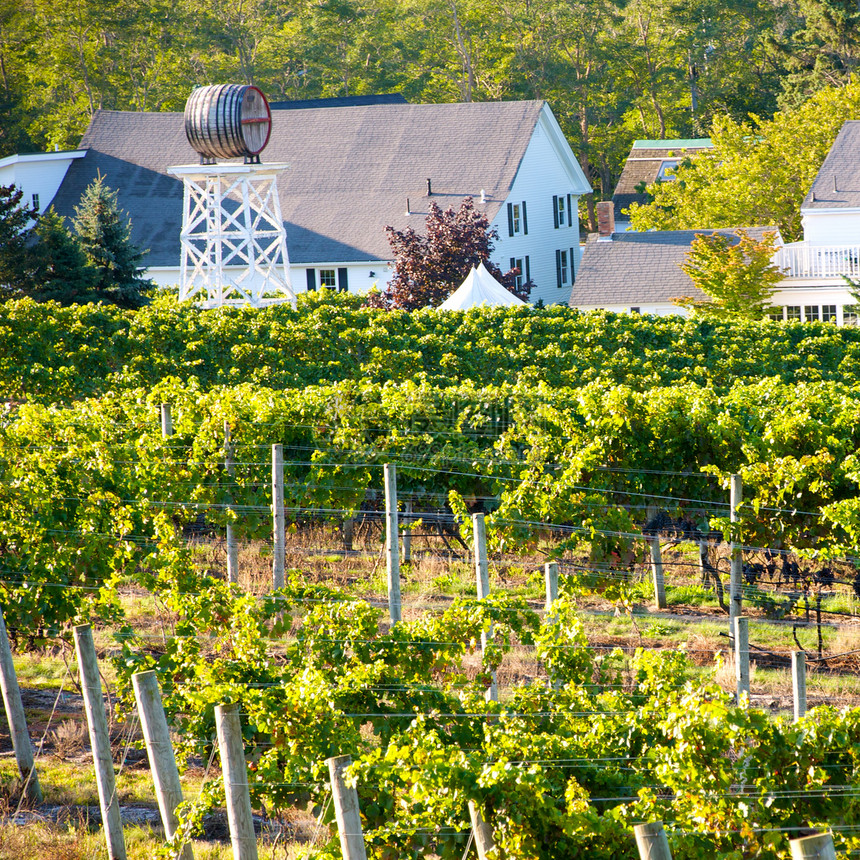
<point>738,276</point>
<point>758,172</point>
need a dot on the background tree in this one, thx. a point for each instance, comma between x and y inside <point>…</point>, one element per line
<point>428,268</point>
<point>61,271</point>
<point>105,236</point>
<point>16,222</point>
<point>739,276</point>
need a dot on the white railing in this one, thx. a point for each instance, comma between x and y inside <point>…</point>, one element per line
<point>801,260</point>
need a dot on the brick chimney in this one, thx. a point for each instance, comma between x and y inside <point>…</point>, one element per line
<point>605,220</point>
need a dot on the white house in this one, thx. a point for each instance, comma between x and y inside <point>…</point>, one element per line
<point>354,170</point>
<point>814,286</point>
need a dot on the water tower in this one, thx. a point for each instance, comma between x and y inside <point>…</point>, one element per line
<point>234,245</point>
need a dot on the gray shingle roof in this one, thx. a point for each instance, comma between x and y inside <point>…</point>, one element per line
<point>639,268</point>
<point>837,184</point>
<point>351,171</point>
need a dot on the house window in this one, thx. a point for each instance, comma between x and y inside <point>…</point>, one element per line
<point>563,268</point>
<point>663,174</point>
<point>521,263</point>
<point>811,313</point>
<point>562,210</point>
<point>634,310</point>
<point>850,315</point>
<point>36,203</point>
<point>828,313</point>
<point>517,219</point>
<point>775,314</point>
<point>792,312</point>
<point>328,278</point>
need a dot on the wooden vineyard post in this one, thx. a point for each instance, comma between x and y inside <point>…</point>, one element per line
<point>407,535</point>
<point>482,575</point>
<point>17,719</point>
<point>742,655</point>
<point>166,421</point>
<point>235,770</point>
<point>392,542</point>
<point>159,750</point>
<point>346,810</point>
<point>99,741</point>
<point>482,831</point>
<point>657,572</point>
<point>232,546</point>
<point>278,524</point>
<point>652,842</point>
<point>551,577</point>
<point>817,847</point>
<point>736,579</point>
<point>798,682</point>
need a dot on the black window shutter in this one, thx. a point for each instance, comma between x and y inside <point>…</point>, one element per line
<point>343,280</point>
<point>525,220</point>
<point>572,267</point>
<point>510,219</point>
<point>555,210</point>
<point>312,278</point>
<point>558,268</point>
<point>528,273</point>
<point>513,263</point>
<point>570,211</point>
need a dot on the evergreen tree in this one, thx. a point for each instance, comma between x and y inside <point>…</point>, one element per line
<point>15,232</point>
<point>105,236</point>
<point>61,271</point>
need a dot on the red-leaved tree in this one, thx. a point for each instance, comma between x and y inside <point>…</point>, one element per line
<point>428,268</point>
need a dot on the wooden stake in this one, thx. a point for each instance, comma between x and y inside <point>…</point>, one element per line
<point>232,545</point>
<point>346,810</point>
<point>657,571</point>
<point>159,750</point>
<point>166,421</point>
<point>742,655</point>
<point>99,741</point>
<point>817,847</point>
<point>737,565</point>
<point>278,525</point>
<point>17,720</point>
<point>392,543</point>
<point>482,831</point>
<point>407,535</point>
<point>798,682</point>
<point>551,577</point>
<point>652,842</point>
<point>235,770</point>
<point>482,575</point>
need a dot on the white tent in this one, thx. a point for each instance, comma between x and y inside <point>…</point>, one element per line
<point>479,288</point>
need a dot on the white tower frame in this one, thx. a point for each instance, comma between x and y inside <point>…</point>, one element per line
<point>234,245</point>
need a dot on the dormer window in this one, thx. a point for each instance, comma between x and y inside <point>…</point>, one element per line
<point>668,164</point>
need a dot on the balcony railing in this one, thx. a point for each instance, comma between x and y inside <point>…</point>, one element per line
<point>801,260</point>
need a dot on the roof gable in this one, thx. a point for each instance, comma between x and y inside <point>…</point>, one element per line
<point>837,183</point>
<point>351,170</point>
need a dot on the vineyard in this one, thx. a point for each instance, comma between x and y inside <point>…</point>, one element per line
<point>136,495</point>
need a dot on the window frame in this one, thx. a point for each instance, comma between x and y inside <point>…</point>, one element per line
<point>324,276</point>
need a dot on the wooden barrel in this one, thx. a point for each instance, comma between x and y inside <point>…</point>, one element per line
<point>228,121</point>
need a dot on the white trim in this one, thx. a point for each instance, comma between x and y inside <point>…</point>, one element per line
<point>42,156</point>
<point>550,126</point>
<point>843,210</point>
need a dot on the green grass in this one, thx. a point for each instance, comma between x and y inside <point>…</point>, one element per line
<point>42,670</point>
